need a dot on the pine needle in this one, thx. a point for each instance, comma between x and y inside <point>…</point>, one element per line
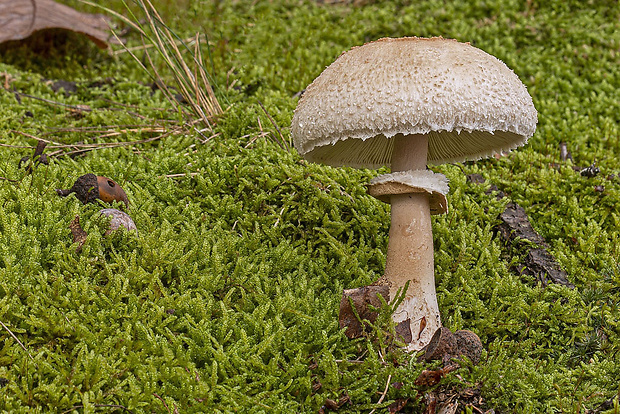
<point>18,341</point>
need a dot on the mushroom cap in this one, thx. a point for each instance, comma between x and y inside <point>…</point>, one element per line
<point>469,103</point>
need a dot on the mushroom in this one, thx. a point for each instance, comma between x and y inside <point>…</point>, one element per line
<point>406,103</point>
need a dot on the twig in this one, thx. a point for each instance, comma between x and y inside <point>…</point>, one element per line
<point>123,105</point>
<point>355,361</point>
<point>475,408</point>
<point>349,361</point>
<point>100,406</point>
<point>209,138</point>
<point>89,147</point>
<point>9,180</point>
<point>254,138</point>
<point>14,146</point>
<point>180,175</point>
<point>162,400</point>
<point>18,341</point>
<point>387,385</point>
<point>103,128</point>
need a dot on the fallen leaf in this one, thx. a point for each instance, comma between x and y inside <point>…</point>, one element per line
<point>21,18</point>
<point>422,326</point>
<point>428,378</point>
<point>79,235</point>
<point>362,299</point>
<point>398,405</point>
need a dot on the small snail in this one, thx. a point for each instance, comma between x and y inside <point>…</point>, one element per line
<point>90,187</point>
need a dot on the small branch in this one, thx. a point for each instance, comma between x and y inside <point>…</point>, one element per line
<point>99,406</point>
<point>254,138</point>
<point>27,135</point>
<point>162,400</point>
<point>180,175</point>
<point>9,180</point>
<point>89,147</point>
<point>15,146</point>
<point>387,385</point>
<point>72,108</point>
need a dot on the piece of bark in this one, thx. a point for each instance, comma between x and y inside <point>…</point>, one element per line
<point>361,298</point>
<point>403,331</point>
<point>515,226</point>
<point>21,18</point>
<point>540,264</point>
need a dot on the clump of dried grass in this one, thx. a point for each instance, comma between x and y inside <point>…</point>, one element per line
<point>185,64</point>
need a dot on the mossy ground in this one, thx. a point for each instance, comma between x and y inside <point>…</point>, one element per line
<point>227,299</point>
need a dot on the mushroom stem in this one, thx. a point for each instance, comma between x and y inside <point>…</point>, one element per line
<point>410,248</point>
<point>410,152</point>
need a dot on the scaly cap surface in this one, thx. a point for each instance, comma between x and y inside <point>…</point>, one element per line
<point>469,103</point>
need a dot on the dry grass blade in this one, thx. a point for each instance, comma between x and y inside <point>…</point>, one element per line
<point>72,108</point>
<point>79,148</point>
<point>187,41</point>
<point>283,143</point>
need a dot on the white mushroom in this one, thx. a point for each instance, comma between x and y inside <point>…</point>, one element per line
<point>404,103</point>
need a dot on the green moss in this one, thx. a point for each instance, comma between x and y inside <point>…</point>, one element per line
<point>226,300</point>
